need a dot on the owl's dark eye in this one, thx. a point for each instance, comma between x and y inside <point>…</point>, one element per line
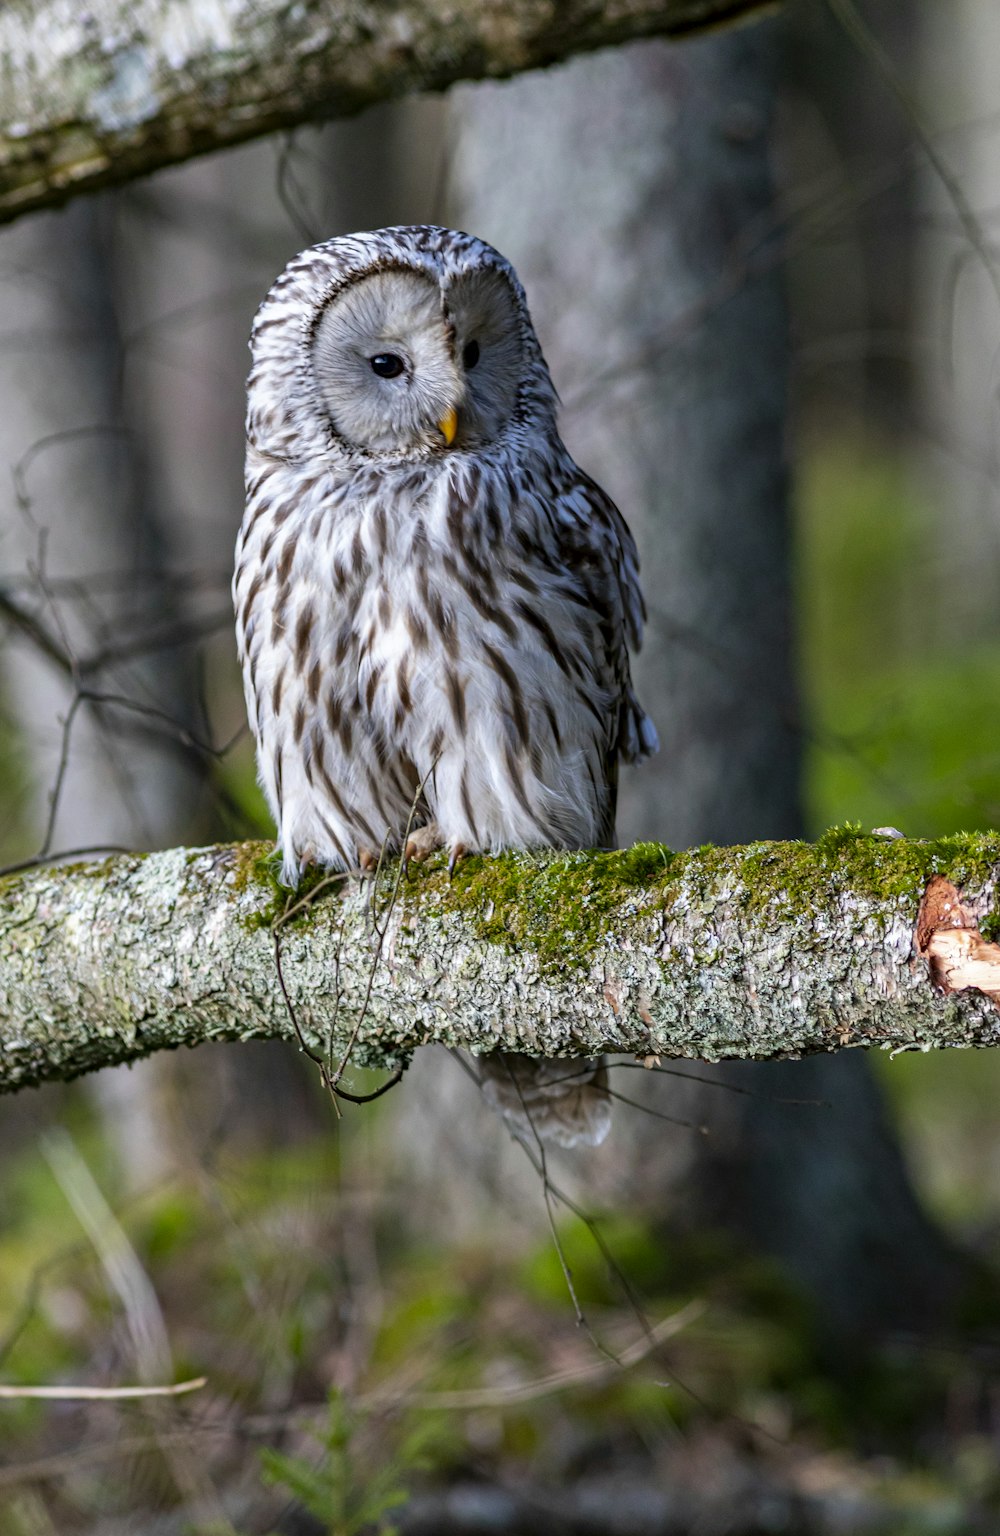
<point>387,365</point>
<point>470,354</point>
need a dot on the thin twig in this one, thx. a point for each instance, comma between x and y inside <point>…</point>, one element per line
<point>55,793</point>
<point>332,1086</point>
<point>336,878</point>
<point>102,1394</point>
<point>545,1386</point>
<point>63,853</point>
<point>541,1165</point>
<point>381,927</point>
<point>318,1060</point>
<point>658,1114</point>
<point>864,39</point>
<point>718,1082</point>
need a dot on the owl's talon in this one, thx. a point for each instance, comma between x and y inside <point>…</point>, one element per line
<point>367,861</point>
<point>458,851</point>
<point>420,843</point>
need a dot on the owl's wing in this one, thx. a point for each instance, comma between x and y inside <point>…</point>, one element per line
<point>598,549</point>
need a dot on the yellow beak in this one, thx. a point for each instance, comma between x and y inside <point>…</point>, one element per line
<point>448,426</point>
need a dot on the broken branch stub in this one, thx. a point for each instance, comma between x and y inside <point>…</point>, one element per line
<point>948,937</point>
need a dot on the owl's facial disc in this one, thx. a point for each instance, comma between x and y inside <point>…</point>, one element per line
<point>488,351</point>
<point>383,355</point>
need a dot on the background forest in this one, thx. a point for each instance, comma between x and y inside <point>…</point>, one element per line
<point>764,269</point>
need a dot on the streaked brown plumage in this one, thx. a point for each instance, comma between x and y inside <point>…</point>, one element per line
<point>429,592</point>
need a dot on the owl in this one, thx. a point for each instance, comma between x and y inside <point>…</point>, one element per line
<point>434,605</point>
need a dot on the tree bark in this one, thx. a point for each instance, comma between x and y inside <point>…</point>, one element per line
<point>98,94</point>
<point>772,950</point>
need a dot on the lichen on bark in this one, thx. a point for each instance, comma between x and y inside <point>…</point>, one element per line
<point>769,950</point>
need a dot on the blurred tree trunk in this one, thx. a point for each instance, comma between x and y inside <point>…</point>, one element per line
<point>850,156</point>
<point>960,311</point>
<point>634,193</point>
<point>88,514</point>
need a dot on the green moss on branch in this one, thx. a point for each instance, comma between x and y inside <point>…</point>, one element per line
<point>768,950</point>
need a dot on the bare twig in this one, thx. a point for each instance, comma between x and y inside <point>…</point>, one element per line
<point>861,35</point>
<point>545,1386</point>
<point>102,1394</point>
<point>540,1161</point>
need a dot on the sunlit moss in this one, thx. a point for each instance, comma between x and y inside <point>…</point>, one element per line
<point>562,907</point>
<point>557,907</point>
<point>257,867</point>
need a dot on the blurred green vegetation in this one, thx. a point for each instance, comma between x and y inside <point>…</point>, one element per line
<point>901,708</point>
<point>237,775</point>
<point>346,1490</point>
<point>469,1367</point>
<point>15,796</point>
<point>901,704</point>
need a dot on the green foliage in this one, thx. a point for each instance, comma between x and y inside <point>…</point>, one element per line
<point>919,746</point>
<point>256,1286</point>
<point>170,1227</point>
<point>339,1489</point>
<point>637,1253</point>
<point>947,1103</point>
<point>44,1342</point>
<point>237,773</point>
<point>901,681</point>
<point>902,704</point>
<point>17,834</point>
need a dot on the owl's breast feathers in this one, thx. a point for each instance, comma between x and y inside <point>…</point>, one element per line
<point>462,626</point>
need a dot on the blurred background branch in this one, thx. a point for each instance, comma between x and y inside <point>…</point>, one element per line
<point>95,97</point>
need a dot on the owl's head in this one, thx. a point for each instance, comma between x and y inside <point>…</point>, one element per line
<point>403,344</point>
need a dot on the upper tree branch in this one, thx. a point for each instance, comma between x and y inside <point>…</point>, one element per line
<point>769,950</point>
<point>95,94</point>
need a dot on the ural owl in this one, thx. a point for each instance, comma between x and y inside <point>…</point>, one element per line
<point>428,591</point>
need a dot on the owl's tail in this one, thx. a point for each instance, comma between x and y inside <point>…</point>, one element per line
<point>562,1101</point>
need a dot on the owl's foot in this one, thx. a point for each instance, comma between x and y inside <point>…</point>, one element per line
<point>420,843</point>
<point>427,840</point>
<point>367,861</point>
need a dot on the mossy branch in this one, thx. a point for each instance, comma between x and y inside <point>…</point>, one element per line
<point>95,95</point>
<point>774,949</point>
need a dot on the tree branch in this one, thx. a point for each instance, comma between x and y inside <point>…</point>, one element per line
<point>770,950</point>
<point>97,94</point>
